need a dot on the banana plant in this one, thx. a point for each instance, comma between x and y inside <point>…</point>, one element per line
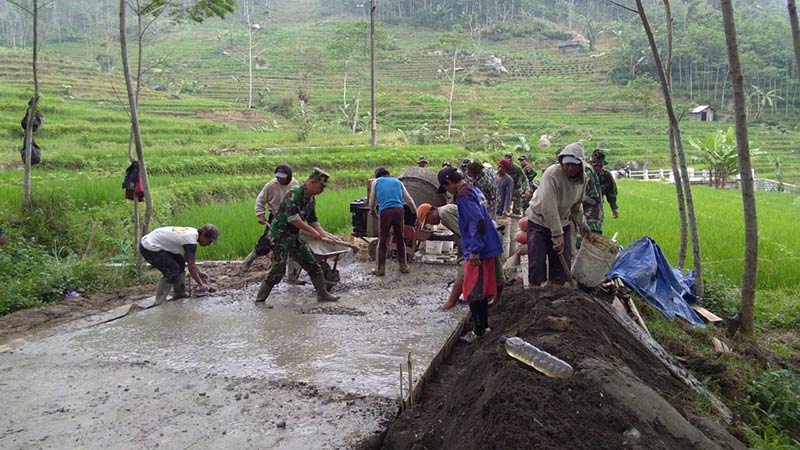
<point>720,155</point>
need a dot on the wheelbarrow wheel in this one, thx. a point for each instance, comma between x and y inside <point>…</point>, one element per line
<point>372,250</point>
<point>330,275</point>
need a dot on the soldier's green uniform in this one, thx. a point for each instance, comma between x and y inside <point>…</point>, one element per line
<point>299,204</point>
<point>530,174</point>
<point>608,187</point>
<point>485,182</point>
<point>521,187</point>
<point>285,237</point>
<point>593,201</point>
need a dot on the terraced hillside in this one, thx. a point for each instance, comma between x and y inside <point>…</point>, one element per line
<point>543,91</point>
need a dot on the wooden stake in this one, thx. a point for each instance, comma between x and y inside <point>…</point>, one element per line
<point>402,396</point>
<point>410,383</point>
<point>91,241</point>
<point>638,316</point>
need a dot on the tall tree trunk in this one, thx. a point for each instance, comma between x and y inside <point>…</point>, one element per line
<point>358,103</point>
<point>676,175</point>
<point>675,127</point>
<point>134,113</point>
<point>137,220</point>
<point>673,156</point>
<point>452,93</point>
<point>795,34</point>
<point>249,62</point>
<point>373,107</point>
<point>344,88</point>
<point>745,172</point>
<point>32,108</point>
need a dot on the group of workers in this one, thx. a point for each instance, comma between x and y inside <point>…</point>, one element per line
<point>291,221</point>
<point>507,189</point>
<point>568,197</point>
<point>569,192</point>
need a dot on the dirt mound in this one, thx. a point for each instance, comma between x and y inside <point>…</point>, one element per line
<point>621,395</point>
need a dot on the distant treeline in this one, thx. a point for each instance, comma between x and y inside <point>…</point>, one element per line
<point>699,63</point>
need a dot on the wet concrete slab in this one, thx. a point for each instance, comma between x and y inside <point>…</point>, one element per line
<point>223,372</point>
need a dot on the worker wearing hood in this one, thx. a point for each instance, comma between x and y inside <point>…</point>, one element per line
<point>557,201</point>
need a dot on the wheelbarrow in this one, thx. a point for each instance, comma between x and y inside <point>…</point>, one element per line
<point>325,253</point>
<point>409,231</point>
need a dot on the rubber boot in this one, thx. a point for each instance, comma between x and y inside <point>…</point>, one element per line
<point>318,280</point>
<point>248,261</point>
<point>264,291</point>
<point>293,274</point>
<point>180,287</point>
<point>381,270</point>
<point>162,291</point>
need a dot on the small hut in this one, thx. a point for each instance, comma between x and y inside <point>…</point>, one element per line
<point>703,113</point>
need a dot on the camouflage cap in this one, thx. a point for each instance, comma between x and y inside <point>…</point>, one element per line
<point>319,175</point>
<point>599,155</point>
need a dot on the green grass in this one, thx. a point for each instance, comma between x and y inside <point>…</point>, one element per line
<point>646,209</point>
<point>208,155</point>
<point>649,209</point>
<point>239,230</point>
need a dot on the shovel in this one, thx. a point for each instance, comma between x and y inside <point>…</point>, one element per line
<point>565,266</point>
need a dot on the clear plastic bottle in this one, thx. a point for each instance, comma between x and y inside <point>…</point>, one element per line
<point>538,359</point>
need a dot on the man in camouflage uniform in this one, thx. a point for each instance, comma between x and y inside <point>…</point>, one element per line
<point>608,187</point>
<point>522,190</point>
<point>463,169</point>
<point>483,179</point>
<point>297,213</point>
<point>593,201</point>
<point>529,171</point>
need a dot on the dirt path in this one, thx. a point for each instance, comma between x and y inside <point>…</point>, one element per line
<point>223,372</point>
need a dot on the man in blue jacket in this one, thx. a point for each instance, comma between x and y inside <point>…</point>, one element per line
<point>481,245</point>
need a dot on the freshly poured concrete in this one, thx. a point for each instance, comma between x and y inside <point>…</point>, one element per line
<point>223,372</point>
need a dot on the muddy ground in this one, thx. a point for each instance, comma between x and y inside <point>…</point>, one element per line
<point>29,321</point>
<point>223,372</point>
<point>620,395</point>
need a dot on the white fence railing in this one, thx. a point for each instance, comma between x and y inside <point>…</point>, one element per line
<point>703,177</point>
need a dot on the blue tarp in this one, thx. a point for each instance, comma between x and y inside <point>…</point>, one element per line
<point>643,267</point>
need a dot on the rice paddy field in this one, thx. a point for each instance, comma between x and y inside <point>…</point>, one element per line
<point>208,155</point>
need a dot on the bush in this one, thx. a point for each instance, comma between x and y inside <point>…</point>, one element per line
<point>529,27</point>
<point>774,406</point>
<point>31,277</point>
<point>721,296</point>
<point>284,107</point>
<point>50,221</point>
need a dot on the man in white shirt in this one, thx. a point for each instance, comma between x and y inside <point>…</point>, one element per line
<point>171,250</point>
